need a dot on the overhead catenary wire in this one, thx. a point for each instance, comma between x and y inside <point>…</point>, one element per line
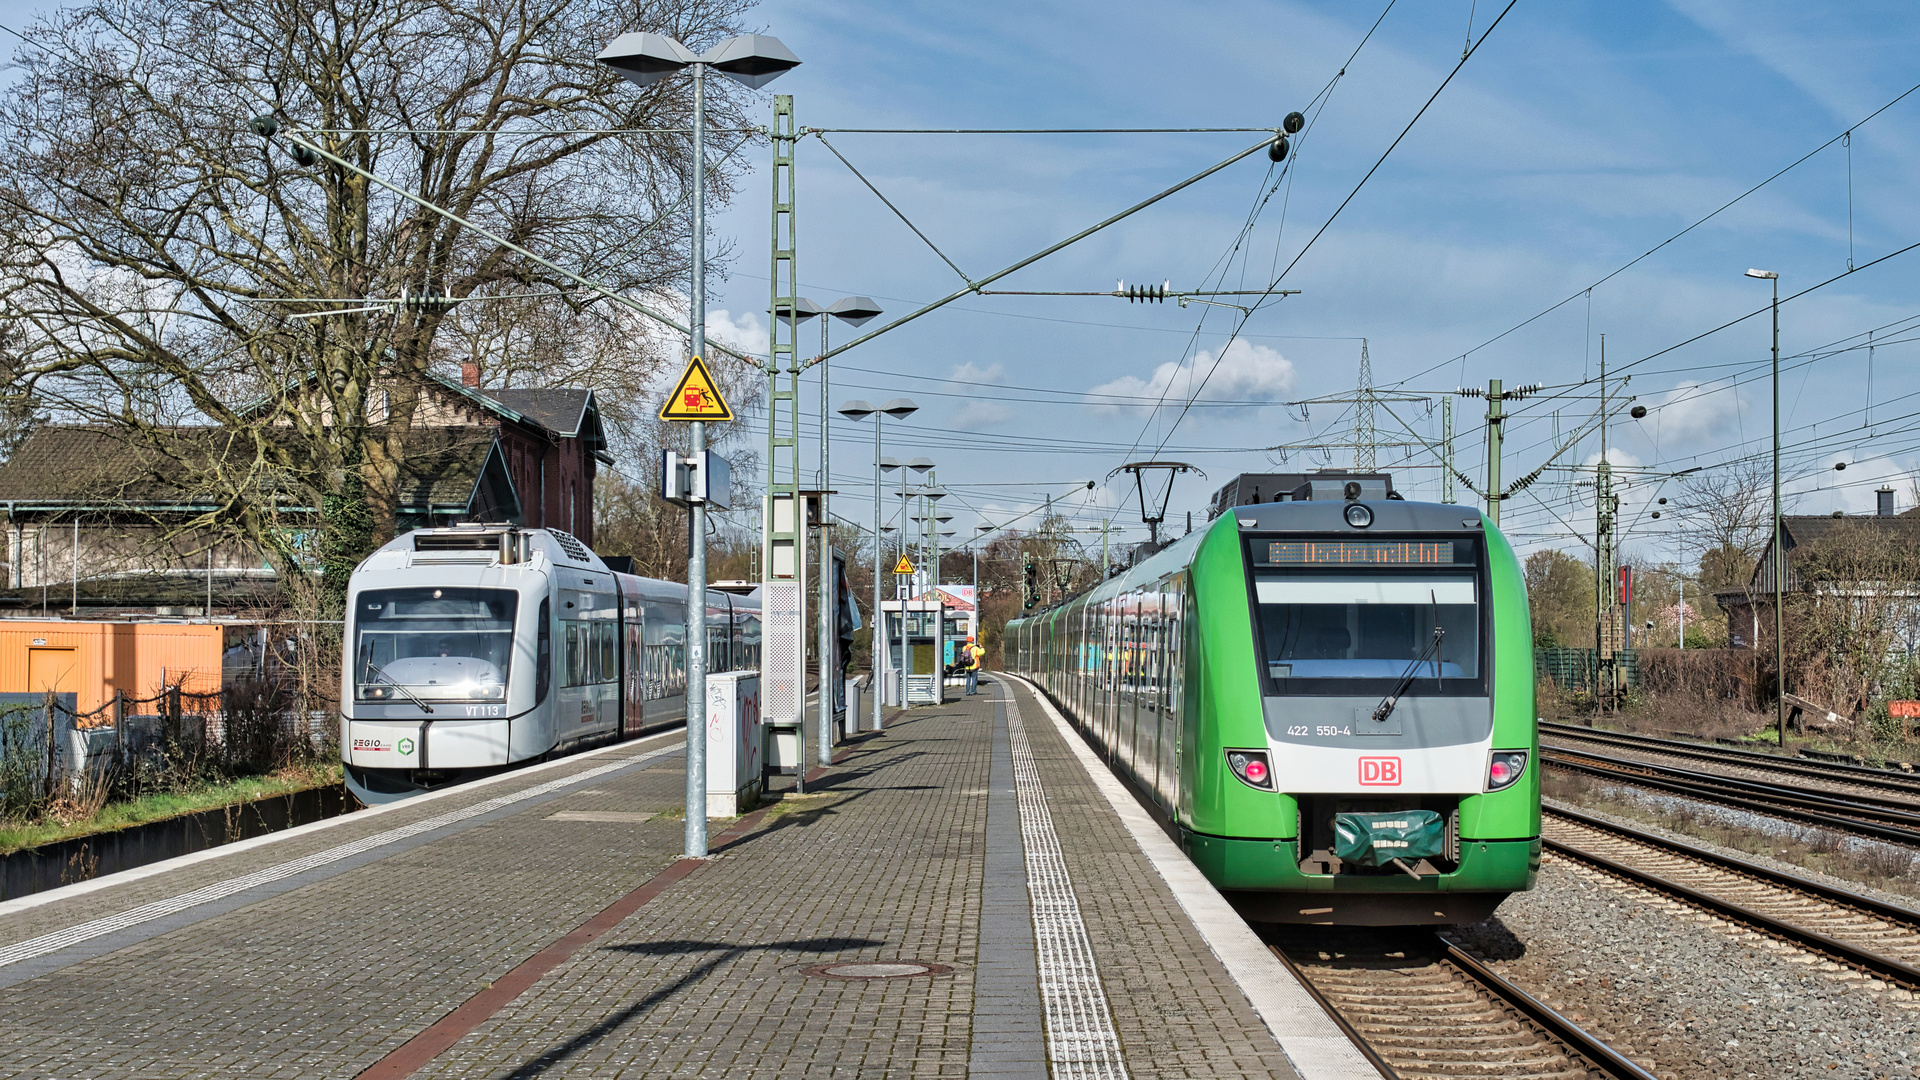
<point>1331,218</point>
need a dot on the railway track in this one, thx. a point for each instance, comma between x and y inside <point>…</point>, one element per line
<point>1879,816</point>
<point>1859,931</point>
<point>1421,1007</point>
<point>1837,777</point>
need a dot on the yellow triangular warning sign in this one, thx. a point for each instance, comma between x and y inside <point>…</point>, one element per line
<point>695,397</point>
<point>904,566</point>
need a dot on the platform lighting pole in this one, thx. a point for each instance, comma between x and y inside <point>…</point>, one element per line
<point>879,638</point>
<point>854,310</point>
<point>754,60</point>
<point>1779,557</point>
<point>920,466</point>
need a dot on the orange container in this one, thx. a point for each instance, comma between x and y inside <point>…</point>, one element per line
<point>93,659</point>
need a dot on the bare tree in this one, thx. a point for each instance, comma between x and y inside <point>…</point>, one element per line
<point>161,261</point>
<point>1728,516</point>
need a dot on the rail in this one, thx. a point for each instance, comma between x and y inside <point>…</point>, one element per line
<point>1855,816</point>
<point>1797,933</point>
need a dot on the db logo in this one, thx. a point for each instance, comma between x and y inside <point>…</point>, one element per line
<point>1380,771</point>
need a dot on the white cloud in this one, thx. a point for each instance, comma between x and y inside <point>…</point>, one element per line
<point>1618,458</point>
<point>1694,411</point>
<point>970,372</point>
<point>746,332</point>
<point>1246,372</point>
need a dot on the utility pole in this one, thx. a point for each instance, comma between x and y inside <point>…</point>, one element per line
<point>1363,430</point>
<point>1497,414</point>
<point>1496,436</point>
<point>1103,543</point>
<point>1605,512</point>
<point>783,562</point>
<point>1446,449</point>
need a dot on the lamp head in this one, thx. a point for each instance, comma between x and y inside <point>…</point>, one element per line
<point>752,60</point>
<point>857,409</point>
<point>645,59</point>
<point>888,464</point>
<point>900,408</point>
<point>801,310</point>
<point>854,309</point>
<point>1768,274</point>
<point>921,465</point>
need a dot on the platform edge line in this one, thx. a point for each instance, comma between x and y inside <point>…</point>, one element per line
<point>1304,1032</point>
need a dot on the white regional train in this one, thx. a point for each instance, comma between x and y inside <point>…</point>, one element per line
<point>477,648</point>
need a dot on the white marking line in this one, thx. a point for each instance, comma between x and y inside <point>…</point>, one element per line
<point>1081,1040</point>
<point>1315,1045</point>
<point>220,890</point>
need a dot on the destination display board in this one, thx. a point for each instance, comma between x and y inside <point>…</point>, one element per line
<point>1365,553</point>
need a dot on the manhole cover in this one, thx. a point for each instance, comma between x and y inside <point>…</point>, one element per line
<point>876,969</point>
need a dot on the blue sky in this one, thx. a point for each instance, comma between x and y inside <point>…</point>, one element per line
<point>1579,136</point>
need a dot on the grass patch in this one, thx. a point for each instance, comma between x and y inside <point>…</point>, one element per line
<point>16,835</point>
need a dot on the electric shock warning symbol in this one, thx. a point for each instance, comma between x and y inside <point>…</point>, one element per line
<point>904,566</point>
<point>695,397</point>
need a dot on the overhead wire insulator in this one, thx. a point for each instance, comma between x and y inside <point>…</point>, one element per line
<point>1146,294</point>
<point>430,300</point>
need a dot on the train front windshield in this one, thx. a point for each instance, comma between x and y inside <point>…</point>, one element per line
<point>439,644</point>
<point>1346,618</point>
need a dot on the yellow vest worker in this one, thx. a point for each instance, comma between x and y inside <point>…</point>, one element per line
<point>972,653</point>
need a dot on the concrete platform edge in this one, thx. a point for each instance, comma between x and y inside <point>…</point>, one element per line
<point>1315,1045</point>
<point>81,888</point>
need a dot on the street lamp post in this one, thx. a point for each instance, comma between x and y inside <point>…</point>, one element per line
<point>921,466</point>
<point>978,532</point>
<point>1779,557</point>
<point>755,60</point>
<point>853,310</point>
<point>898,408</point>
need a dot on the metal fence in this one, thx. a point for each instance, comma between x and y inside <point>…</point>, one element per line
<point>1573,669</point>
<point>43,737</point>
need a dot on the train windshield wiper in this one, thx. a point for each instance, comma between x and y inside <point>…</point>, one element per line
<point>411,696</point>
<point>1385,708</point>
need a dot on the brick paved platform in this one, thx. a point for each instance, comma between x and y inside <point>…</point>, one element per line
<point>542,924</point>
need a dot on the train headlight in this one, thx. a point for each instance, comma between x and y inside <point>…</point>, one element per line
<point>375,693</point>
<point>1504,768</point>
<point>1251,767</point>
<point>1359,515</point>
<point>488,691</point>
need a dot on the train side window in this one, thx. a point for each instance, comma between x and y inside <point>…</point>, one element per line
<point>607,638</point>
<point>543,649</point>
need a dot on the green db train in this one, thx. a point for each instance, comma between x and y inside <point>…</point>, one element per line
<point>1330,702</point>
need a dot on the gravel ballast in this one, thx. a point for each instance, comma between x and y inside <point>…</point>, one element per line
<point>1692,995</point>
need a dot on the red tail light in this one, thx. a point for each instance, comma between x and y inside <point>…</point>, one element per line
<point>1504,768</point>
<point>1251,767</point>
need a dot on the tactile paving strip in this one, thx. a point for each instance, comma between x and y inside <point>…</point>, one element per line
<point>1081,1040</point>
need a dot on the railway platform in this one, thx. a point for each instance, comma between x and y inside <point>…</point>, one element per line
<point>968,893</point>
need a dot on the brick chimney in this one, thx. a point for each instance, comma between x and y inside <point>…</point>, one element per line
<point>470,374</point>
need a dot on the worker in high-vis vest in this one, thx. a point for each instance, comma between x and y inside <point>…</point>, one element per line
<point>973,653</point>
